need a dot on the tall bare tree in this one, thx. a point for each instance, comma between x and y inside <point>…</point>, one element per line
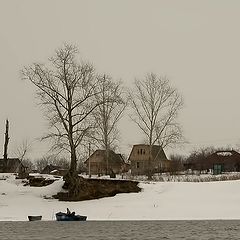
<point>108,114</point>
<point>66,90</point>
<point>6,140</point>
<point>156,105</point>
<point>5,146</point>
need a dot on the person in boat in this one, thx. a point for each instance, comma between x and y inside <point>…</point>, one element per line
<point>68,212</point>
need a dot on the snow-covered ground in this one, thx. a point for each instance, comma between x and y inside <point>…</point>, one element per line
<point>157,201</point>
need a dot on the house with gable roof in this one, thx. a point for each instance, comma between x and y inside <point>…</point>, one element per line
<point>100,165</point>
<point>140,158</point>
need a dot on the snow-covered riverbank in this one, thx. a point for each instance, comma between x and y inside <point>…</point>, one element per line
<point>157,201</point>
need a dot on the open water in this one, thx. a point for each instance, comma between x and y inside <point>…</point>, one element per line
<point>122,230</point>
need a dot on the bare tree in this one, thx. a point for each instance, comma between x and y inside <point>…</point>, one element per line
<point>41,163</point>
<point>22,150</point>
<point>197,160</point>
<point>155,105</point>
<point>6,140</point>
<point>177,163</point>
<point>28,164</point>
<point>108,114</point>
<point>53,159</point>
<point>66,90</point>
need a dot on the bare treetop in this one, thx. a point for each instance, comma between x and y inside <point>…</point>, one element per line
<point>66,90</point>
<point>108,114</point>
<point>155,105</point>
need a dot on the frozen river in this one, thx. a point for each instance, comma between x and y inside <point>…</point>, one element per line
<point>106,230</point>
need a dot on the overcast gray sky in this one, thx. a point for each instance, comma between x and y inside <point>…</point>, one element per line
<point>194,43</point>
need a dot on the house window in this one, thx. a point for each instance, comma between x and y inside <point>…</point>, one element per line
<point>141,151</point>
<point>138,151</point>
<point>138,164</point>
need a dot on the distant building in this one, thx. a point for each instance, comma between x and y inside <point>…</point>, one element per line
<point>55,170</point>
<point>100,165</point>
<point>223,161</point>
<point>140,159</point>
<point>218,162</point>
<point>11,165</point>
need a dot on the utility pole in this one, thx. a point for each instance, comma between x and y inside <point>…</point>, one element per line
<point>89,162</point>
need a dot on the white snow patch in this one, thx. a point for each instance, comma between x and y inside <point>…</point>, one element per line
<point>157,201</point>
<point>224,154</point>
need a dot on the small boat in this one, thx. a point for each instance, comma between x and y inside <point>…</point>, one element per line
<point>35,218</point>
<point>60,216</point>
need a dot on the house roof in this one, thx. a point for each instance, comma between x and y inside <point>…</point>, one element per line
<point>100,156</point>
<point>157,151</point>
<point>225,155</point>
<point>10,161</point>
<point>50,168</point>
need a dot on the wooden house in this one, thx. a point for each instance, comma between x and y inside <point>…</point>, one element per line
<point>218,162</point>
<point>12,165</point>
<point>99,164</point>
<point>141,161</point>
<point>223,161</point>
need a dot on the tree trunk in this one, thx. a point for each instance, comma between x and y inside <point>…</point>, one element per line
<point>6,147</point>
<point>6,141</point>
<point>107,161</point>
<point>71,178</point>
<point>73,164</point>
<point>150,164</point>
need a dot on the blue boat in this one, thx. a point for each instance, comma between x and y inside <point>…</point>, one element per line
<point>60,216</point>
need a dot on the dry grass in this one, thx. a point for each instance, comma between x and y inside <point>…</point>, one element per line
<point>187,178</point>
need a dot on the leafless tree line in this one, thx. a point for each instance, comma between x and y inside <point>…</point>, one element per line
<point>85,107</point>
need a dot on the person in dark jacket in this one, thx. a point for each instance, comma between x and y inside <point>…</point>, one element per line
<point>68,212</point>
